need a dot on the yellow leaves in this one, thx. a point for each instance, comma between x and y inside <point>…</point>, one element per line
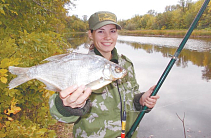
<point>27,39</point>
<point>3,80</point>
<point>27,129</point>
<point>6,62</point>
<point>47,93</point>
<point>2,11</point>
<point>8,46</point>
<point>2,6</point>
<point>12,92</point>
<point>13,109</point>
<point>10,118</point>
<point>14,12</point>
<point>2,135</point>
<point>3,71</point>
<point>3,75</point>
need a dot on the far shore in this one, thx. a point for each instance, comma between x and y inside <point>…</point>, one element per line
<point>167,33</point>
<point>158,33</point>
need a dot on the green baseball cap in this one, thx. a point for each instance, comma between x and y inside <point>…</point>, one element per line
<point>102,18</point>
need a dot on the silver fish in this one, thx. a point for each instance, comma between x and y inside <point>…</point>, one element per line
<point>62,71</point>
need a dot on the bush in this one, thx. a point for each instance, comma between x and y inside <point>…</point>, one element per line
<point>30,33</point>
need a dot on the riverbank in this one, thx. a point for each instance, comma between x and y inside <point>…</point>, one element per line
<point>167,33</point>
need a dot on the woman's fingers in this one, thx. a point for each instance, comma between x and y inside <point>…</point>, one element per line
<point>149,92</point>
<point>74,96</point>
<point>78,97</point>
<point>151,101</point>
<point>65,93</point>
<point>85,96</point>
<point>75,105</point>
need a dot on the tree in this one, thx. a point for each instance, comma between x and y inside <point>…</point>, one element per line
<point>182,5</point>
<point>74,24</point>
<point>205,19</point>
<point>152,12</point>
<point>31,30</point>
<point>85,18</point>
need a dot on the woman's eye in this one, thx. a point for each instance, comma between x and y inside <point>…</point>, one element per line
<point>100,31</point>
<point>113,31</point>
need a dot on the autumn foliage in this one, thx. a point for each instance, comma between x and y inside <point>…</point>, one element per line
<point>31,30</point>
<point>174,17</point>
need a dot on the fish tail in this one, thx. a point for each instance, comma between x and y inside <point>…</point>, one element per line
<point>21,76</point>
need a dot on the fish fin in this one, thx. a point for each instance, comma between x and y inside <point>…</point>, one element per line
<point>21,78</point>
<point>56,57</point>
<point>50,86</point>
<point>99,83</point>
<point>67,56</point>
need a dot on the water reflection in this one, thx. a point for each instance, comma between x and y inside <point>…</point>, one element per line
<point>77,39</point>
<point>193,44</point>
<point>199,58</point>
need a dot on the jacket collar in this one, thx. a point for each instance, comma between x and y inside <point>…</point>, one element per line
<point>114,53</point>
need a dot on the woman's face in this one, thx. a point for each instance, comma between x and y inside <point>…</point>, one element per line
<point>105,38</point>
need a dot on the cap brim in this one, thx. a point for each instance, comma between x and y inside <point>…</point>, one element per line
<point>101,24</point>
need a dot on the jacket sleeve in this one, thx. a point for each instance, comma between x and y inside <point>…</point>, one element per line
<point>66,114</point>
<point>136,99</point>
<point>137,104</point>
<point>134,84</point>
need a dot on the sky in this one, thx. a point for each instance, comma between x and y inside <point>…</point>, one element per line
<point>124,9</point>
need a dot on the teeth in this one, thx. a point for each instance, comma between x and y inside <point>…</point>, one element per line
<point>106,43</point>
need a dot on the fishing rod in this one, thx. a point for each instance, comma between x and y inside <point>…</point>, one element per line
<point>168,68</point>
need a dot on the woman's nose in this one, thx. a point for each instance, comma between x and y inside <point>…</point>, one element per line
<point>107,35</point>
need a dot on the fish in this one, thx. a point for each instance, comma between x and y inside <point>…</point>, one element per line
<point>64,70</point>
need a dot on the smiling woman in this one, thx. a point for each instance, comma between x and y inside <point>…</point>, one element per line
<point>105,39</point>
<point>102,113</point>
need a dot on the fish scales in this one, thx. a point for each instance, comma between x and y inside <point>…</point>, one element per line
<point>66,70</point>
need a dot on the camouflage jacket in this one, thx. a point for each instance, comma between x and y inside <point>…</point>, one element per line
<point>103,120</point>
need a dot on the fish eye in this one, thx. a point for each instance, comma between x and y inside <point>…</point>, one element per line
<point>118,69</point>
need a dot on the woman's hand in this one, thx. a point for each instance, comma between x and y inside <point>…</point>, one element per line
<point>75,96</point>
<point>147,100</point>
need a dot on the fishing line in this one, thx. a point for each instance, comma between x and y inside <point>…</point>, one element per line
<point>169,104</point>
<point>177,102</point>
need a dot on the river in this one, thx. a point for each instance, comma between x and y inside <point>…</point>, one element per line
<point>186,92</point>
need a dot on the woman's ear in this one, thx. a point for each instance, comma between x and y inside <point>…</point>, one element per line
<point>90,34</point>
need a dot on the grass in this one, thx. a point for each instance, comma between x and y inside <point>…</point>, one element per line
<point>63,130</point>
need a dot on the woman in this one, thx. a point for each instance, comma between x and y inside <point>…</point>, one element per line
<point>98,114</point>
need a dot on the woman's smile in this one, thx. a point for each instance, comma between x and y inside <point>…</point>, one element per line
<point>106,43</point>
<point>105,39</point>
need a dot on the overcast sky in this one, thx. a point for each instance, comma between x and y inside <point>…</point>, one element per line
<point>124,9</point>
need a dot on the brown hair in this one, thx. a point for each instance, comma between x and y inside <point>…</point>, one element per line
<point>91,43</point>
